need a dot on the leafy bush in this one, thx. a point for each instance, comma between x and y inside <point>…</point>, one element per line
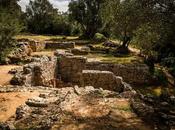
<point>158,73</point>
<point>172,70</point>
<point>146,38</point>
<point>99,37</point>
<point>168,62</point>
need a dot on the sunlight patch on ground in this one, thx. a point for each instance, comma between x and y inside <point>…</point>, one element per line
<point>44,37</point>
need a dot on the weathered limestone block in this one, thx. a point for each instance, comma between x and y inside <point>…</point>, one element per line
<point>79,52</point>
<point>37,102</point>
<point>70,68</point>
<point>36,45</point>
<point>102,79</point>
<point>59,45</point>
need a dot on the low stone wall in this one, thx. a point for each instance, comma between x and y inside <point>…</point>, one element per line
<point>20,54</point>
<point>102,79</point>
<point>131,73</point>
<point>38,73</point>
<point>59,45</point>
<point>70,68</point>
<point>76,70</point>
<point>34,45</point>
<point>37,46</point>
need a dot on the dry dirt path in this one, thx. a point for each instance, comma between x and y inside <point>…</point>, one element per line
<point>10,101</point>
<point>5,77</point>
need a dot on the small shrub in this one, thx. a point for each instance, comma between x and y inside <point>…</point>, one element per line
<point>99,37</point>
<point>168,62</point>
<point>158,73</point>
<point>172,71</point>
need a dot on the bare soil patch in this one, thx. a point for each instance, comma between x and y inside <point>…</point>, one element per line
<point>5,77</point>
<point>10,101</point>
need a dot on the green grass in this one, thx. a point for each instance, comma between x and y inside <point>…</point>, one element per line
<point>108,58</point>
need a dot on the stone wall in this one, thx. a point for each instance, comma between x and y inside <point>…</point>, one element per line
<point>70,67</point>
<point>41,72</point>
<point>34,44</point>
<point>37,46</point>
<point>76,70</point>
<point>45,73</point>
<point>20,54</point>
<point>131,73</point>
<point>102,79</point>
<point>59,45</point>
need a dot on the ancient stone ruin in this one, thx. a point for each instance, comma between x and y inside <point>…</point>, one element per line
<point>76,70</point>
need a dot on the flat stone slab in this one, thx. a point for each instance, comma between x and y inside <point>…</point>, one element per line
<point>37,102</point>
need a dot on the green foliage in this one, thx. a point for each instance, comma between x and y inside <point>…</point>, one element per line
<point>146,38</point>
<point>9,26</point>
<point>172,70</point>
<point>149,22</point>
<point>99,37</point>
<point>123,17</point>
<point>87,14</point>
<point>42,18</point>
<point>158,73</point>
<point>170,63</point>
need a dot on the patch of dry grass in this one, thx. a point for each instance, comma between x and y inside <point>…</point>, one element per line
<point>44,37</point>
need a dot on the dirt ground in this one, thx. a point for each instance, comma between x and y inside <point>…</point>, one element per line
<point>10,101</point>
<point>5,77</point>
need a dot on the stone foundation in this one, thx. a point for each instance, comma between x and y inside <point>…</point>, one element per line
<point>34,45</point>
<point>131,73</point>
<point>59,45</point>
<point>72,66</point>
<point>102,79</point>
<point>40,73</point>
<point>37,46</point>
<point>76,70</point>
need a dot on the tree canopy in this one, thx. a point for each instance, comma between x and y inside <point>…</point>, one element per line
<point>87,14</point>
<point>10,26</point>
